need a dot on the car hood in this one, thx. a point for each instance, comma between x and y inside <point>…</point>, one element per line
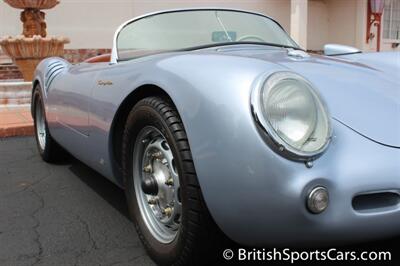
<point>361,92</point>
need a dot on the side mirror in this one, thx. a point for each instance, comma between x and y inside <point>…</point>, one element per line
<point>338,49</point>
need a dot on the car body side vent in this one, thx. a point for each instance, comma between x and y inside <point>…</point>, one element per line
<point>53,70</point>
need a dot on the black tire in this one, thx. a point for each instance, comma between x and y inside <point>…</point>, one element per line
<point>51,152</point>
<point>199,241</point>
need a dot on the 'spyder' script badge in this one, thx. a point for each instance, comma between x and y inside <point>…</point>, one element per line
<point>104,82</point>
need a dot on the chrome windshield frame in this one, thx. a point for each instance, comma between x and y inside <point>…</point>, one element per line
<point>114,52</point>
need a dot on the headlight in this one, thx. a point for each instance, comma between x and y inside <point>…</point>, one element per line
<point>292,114</point>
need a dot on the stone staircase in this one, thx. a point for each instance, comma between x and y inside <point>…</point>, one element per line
<point>4,59</point>
<point>9,72</point>
<point>15,93</point>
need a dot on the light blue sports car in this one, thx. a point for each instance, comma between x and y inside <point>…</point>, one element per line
<point>219,126</point>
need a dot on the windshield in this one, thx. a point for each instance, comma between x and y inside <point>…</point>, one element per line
<point>191,29</point>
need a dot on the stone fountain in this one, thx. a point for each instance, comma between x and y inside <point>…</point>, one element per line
<point>28,49</point>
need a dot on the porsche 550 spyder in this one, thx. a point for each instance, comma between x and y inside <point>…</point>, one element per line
<point>218,125</point>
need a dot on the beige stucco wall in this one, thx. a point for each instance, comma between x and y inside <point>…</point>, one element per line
<point>318,24</point>
<point>91,23</point>
<point>342,22</point>
<point>88,23</point>
<point>332,21</point>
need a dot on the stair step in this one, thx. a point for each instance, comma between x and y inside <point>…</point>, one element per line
<point>15,93</point>
<point>8,70</point>
<point>14,102</point>
<point>5,59</point>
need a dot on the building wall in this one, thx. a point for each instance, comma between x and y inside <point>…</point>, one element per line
<point>91,23</point>
<point>342,21</point>
<point>331,21</point>
<point>88,23</point>
<point>361,31</point>
<point>317,25</point>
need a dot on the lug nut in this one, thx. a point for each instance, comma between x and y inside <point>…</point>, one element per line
<point>169,182</point>
<point>153,201</point>
<point>167,211</point>
<point>157,155</point>
<point>147,168</point>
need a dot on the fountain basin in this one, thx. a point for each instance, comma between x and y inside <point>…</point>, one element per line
<point>28,52</point>
<point>37,4</point>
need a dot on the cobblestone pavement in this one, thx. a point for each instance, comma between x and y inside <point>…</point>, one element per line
<point>63,214</point>
<point>67,214</point>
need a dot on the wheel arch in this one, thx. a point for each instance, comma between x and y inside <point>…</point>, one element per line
<point>121,115</point>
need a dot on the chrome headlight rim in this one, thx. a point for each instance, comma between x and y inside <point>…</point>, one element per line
<point>273,139</point>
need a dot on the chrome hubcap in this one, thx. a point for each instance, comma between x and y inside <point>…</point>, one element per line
<point>156,184</point>
<point>40,125</point>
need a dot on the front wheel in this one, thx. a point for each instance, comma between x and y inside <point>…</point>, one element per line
<point>48,149</point>
<point>162,190</point>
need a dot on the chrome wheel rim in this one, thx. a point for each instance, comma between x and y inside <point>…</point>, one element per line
<point>156,182</point>
<point>40,125</point>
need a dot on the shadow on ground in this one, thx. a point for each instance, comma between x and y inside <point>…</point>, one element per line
<point>109,191</point>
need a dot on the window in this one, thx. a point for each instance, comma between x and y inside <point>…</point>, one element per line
<point>391,20</point>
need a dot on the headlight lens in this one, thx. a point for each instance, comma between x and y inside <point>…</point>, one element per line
<point>294,114</point>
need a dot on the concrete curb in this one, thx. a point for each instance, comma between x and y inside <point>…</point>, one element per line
<point>15,120</point>
<point>17,130</point>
